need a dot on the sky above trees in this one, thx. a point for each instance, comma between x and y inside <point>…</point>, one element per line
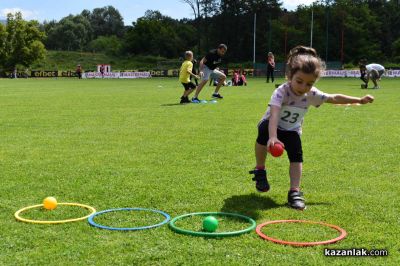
<point>344,30</point>
<point>129,9</point>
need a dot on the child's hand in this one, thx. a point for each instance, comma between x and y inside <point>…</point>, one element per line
<point>197,77</point>
<point>367,99</point>
<point>272,141</point>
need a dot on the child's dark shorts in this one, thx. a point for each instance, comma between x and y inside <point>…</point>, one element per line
<point>189,86</point>
<point>291,139</point>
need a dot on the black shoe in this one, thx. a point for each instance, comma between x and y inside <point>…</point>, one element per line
<point>185,100</point>
<point>260,176</point>
<point>217,95</point>
<point>296,200</point>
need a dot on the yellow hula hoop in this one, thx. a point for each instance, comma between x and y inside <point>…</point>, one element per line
<point>19,218</point>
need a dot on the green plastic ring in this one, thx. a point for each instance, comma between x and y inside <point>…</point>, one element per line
<point>208,234</point>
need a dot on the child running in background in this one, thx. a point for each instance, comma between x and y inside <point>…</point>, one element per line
<point>283,119</point>
<point>184,77</point>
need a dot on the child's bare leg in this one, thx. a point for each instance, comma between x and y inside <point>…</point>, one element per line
<point>261,155</point>
<point>295,197</point>
<point>187,92</point>
<point>295,171</point>
<point>190,91</point>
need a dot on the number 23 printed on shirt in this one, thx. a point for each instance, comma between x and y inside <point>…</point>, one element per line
<point>291,117</point>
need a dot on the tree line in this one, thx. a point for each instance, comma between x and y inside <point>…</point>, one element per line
<point>343,30</point>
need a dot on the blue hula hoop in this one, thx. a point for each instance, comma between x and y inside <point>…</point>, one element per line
<point>92,223</point>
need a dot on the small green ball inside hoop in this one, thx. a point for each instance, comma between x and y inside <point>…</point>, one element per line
<point>208,234</point>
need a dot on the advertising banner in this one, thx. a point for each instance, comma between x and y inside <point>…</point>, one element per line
<point>131,74</point>
<point>134,75</point>
<point>356,73</point>
<point>98,75</point>
<point>116,75</point>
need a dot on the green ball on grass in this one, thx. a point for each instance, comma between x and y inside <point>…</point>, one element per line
<point>210,224</point>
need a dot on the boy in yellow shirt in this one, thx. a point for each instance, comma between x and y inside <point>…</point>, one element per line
<point>184,77</point>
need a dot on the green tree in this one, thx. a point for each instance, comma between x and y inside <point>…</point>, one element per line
<point>105,21</point>
<point>20,42</point>
<point>110,45</point>
<point>234,26</point>
<point>396,50</point>
<point>3,37</point>
<point>71,33</point>
<point>155,34</point>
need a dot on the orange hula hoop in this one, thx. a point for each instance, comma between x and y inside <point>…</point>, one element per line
<point>342,235</point>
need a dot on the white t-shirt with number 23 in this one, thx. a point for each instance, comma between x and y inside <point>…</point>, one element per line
<point>293,107</point>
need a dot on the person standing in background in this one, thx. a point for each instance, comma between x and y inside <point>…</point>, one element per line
<point>102,71</point>
<point>79,71</point>
<point>270,67</point>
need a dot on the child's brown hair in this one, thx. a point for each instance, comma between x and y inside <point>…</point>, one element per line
<point>304,59</point>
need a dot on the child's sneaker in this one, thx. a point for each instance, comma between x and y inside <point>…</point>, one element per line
<point>185,100</point>
<point>195,100</point>
<point>217,95</point>
<point>260,176</point>
<point>296,200</point>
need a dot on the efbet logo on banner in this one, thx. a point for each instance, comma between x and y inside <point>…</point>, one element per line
<point>44,74</point>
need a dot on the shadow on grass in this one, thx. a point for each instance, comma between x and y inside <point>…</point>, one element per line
<point>212,101</point>
<point>249,205</point>
<point>172,104</point>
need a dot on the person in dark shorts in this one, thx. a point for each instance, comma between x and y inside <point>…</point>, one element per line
<point>283,120</point>
<point>184,77</point>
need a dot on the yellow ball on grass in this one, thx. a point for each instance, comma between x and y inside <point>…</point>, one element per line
<point>50,203</point>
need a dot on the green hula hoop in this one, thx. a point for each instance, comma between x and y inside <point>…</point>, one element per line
<point>208,234</point>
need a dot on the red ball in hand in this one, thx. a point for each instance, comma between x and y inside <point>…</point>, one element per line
<point>276,150</point>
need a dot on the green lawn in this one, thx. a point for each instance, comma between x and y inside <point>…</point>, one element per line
<point>126,143</point>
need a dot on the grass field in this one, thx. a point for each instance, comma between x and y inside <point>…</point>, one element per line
<point>126,143</point>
